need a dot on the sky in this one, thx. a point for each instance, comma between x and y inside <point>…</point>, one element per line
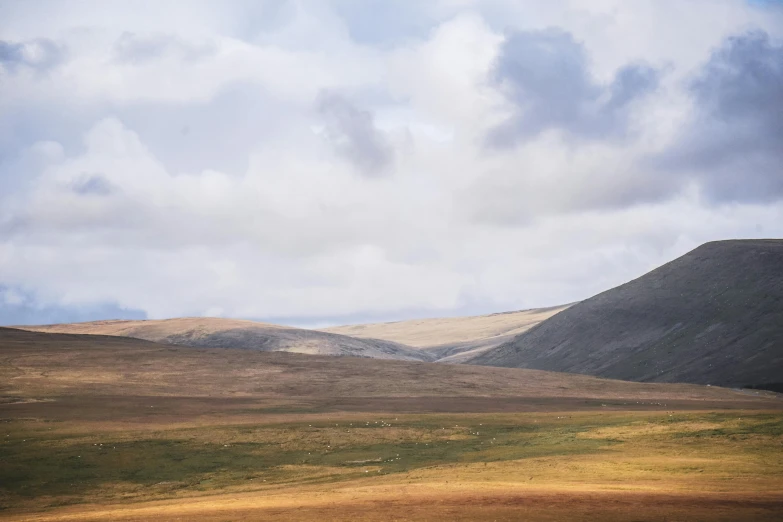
<point>341,161</point>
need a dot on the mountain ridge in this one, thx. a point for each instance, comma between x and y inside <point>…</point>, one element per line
<point>712,316</point>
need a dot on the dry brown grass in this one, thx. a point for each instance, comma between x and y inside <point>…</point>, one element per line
<point>426,502</point>
<point>478,332</point>
<point>636,466</point>
<point>150,330</point>
<point>198,434</point>
<point>38,366</point>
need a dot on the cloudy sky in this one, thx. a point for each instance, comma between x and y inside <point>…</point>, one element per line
<point>336,161</point>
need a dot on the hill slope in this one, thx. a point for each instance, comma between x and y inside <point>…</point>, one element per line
<point>210,332</point>
<point>712,316</point>
<point>35,367</point>
<point>452,339</point>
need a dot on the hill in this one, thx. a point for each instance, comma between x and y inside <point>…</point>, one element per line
<point>452,339</point>
<point>209,332</point>
<point>712,316</point>
<point>40,366</point>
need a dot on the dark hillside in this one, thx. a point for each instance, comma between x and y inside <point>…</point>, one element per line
<point>712,316</point>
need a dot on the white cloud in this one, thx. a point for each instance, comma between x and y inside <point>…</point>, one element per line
<point>203,182</point>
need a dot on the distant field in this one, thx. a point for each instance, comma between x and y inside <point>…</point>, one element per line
<point>215,332</point>
<point>98,428</point>
<point>453,339</point>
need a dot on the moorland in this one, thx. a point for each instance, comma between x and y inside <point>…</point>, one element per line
<point>100,427</point>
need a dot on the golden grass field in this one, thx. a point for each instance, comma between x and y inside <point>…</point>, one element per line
<point>150,330</point>
<point>476,333</point>
<point>107,428</point>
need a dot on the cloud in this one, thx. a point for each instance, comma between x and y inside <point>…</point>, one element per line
<point>95,184</point>
<point>353,133</point>
<point>139,48</point>
<point>39,54</point>
<point>377,22</point>
<point>732,145</point>
<point>314,162</point>
<point>20,307</point>
<point>545,77</point>
<point>11,53</point>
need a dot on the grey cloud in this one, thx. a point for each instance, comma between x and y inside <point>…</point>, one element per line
<point>545,75</point>
<point>734,144</point>
<point>40,54</point>
<point>631,82</point>
<point>11,53</point>
<point>93,184</point>
<point>509,199</point>
<point>353,133</point>
<point>18,307</point>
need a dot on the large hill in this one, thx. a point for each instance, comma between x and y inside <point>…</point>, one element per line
<point>712,316</point>
<point>232,333</point>
<point>453,339</point>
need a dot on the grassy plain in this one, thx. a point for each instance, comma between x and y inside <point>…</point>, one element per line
<point>104,429</point>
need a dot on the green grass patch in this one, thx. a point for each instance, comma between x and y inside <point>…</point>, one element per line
<point>36,462</point>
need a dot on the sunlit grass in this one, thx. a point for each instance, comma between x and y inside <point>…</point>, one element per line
<point>53,464</point>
